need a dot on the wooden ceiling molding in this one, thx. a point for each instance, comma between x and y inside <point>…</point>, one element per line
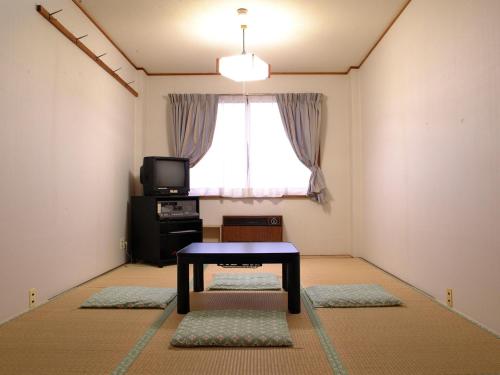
<point>78,3</point>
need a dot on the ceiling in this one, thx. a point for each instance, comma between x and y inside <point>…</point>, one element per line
<point>186,36</point>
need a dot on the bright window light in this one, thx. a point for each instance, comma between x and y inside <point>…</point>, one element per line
<point>250,155</point>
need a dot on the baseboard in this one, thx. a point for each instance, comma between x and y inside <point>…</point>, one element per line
<point>461,314</point>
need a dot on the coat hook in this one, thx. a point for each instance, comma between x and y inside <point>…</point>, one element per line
<point>70,36</point>
<point>57,11</point>
<point>81,37</point>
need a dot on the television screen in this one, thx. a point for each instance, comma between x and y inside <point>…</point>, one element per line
<point>162,175</point>
<point>169,173</point>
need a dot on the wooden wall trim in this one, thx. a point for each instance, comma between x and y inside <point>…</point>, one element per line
<point>82,9</point>
<point>307,73</point>
<point>272,73</point>
<point>45,14</point>
<point>215,73</point>
<point>183,74</point>
<point>382,36</point>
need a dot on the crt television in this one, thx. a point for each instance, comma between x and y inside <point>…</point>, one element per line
<point>165,175</point>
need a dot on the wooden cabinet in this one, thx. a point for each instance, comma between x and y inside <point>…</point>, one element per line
<point>252,229</point>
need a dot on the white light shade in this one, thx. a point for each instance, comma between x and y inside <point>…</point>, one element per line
<point>244,67</point>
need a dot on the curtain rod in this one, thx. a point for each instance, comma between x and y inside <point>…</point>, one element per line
<point>251,94</point>
<point>259,94</point>
<point>264,94</point>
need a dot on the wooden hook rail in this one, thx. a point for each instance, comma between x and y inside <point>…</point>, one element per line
<point>77,41</point>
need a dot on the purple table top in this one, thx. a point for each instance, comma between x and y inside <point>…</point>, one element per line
<point>239,248</point>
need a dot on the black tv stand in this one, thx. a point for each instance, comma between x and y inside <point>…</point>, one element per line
<point>156,238</point>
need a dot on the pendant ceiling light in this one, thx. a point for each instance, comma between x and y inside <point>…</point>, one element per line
<point>244,67</point>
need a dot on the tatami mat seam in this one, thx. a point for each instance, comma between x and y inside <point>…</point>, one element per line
<point>326,343</point>
<point>136,350</point>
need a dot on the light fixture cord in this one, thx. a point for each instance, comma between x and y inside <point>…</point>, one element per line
<point>244,52</point>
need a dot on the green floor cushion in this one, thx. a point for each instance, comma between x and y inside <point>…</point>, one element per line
<point>233,328</point>
<point>130,297</point>
<point>350,295</point>
<point>245,281</point>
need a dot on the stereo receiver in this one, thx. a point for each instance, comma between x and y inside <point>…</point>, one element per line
<point>181,209</point>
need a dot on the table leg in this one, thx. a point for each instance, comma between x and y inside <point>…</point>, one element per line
<point>294,285</point>
<point>284,276</point>
<point>182,288</point>
<point>198,277</point>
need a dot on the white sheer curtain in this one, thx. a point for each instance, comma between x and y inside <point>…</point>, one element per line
<point>250,155</point>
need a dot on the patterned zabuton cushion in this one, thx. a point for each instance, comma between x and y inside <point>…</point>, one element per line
<point>233,328</point>
<point>350,295</point>
<point>129,297</point>
<point>245,281</point>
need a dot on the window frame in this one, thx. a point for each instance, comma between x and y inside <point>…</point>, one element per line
<point>285,197</point>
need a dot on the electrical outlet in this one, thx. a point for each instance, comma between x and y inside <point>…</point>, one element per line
<point>32,295</point>
<point>449,297</point>
<point>123,244</point>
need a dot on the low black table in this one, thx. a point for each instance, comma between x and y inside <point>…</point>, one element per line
<point>237,253</point>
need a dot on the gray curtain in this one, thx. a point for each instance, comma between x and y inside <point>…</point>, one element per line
<point>301,116</point>
<point>193,119</point>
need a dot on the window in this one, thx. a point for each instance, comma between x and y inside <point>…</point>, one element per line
<point>250,155</point>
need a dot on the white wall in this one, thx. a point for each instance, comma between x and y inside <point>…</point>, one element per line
<point>66,153</point>
<point>416,130</point>
<point>314,228</point>
<point>429,183</point>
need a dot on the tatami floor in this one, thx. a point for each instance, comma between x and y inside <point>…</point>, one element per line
<point>420,337</point>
